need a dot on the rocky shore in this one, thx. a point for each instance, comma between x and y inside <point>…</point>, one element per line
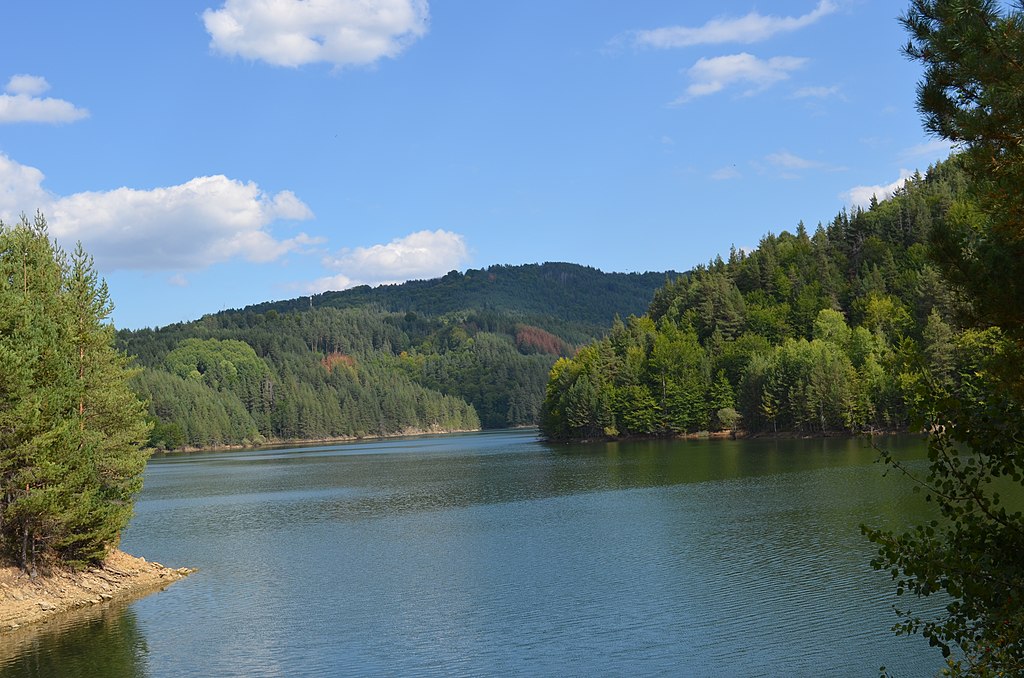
<point>28,601</point>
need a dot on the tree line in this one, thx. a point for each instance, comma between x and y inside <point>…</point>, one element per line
<point>809,333</point>
<point>323,374</point>
<point>369,362</point>
<point>575,302</point>
<point>909,313</point>
<point>972,94</point>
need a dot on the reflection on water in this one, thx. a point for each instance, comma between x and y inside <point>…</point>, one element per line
<point>100,641</point>
<point>491,554</point>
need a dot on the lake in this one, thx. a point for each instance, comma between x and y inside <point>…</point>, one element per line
<point>498,554</point>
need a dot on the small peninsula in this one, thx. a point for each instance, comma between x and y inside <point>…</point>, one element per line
<point>28,600</point>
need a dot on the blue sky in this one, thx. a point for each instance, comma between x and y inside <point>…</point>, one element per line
<point>212,154</point>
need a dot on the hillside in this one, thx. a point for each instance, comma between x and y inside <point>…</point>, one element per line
<point>459,352</point>
<point>834,330</point>
<point>576,302</point>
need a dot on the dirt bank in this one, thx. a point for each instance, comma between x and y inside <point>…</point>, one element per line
<point>27,601</point>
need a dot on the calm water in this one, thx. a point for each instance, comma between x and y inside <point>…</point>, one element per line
<point>495,554</point>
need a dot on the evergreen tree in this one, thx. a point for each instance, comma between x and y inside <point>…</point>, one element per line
<point>775,322</point>
<point>973,95</point>
<point>70,428</point>
<point>722,397</point>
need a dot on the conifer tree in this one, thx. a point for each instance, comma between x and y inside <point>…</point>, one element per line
<point>973,95</point>
<point>70,428</point>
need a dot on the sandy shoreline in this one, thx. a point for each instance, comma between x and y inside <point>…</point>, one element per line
<point>26,601</point>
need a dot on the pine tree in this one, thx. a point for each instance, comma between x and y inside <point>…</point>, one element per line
<point>110,422</point>
<point>33,407</point>
<point>70,428</point>
<point>973,95</point>
<point>721,397</point>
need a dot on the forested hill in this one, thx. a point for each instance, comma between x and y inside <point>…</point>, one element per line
<point>577,302</point>
<point>835,330</point>
<point>460,352</point>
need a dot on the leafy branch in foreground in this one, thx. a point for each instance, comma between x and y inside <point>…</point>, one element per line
<point>974,552</point>
<point>973,95</point>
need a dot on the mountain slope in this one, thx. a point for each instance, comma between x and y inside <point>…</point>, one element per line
<point>574,301</point>
<point>462,351</point>
<point>830,331</point>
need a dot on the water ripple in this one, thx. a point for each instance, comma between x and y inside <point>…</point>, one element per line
<point>497,555</point>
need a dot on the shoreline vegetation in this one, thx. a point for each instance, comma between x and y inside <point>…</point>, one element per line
<point>71,437</point>
<point>846,327</point>
<point>469,350</point>
<point>29,601</point>
<point>291,442</point>
<point>696,435</point>
<point>739,434</point>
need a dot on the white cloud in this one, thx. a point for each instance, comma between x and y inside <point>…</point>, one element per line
<point>21,189</point>
<point>747,29</point>
<point>789,164</point>
<point>192,225</point>
<point>818,92</point>
<point>21,103</point>
<point>860,196</point>
<point>178,280</point>
<point>787,160</point>
<point>29,85</point>
<point>420,255</point>
<point>328,284</point>
<point>936,149</point>
<point>726,173</point>
<point>715,74</point>
<point>296,32</point>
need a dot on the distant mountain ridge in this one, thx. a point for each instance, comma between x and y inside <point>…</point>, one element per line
<point>573,293</point>
<point>461,351</point>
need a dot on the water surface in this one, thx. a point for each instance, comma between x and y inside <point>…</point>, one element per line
<point>496,554</point>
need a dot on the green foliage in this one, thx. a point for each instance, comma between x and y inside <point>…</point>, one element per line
<point>454,353</point>
<point>578,402</point>
<point>975,552</point>
<point>729,418</point>
<point>973,95</point>
<point>503,385</point>
<point>229,366</point>
<point>243,378</point>
<point>573,302</point>
<point>70,428</point>
<point>189,413</point>
<point>805,333</point>
<point>722,398</point>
